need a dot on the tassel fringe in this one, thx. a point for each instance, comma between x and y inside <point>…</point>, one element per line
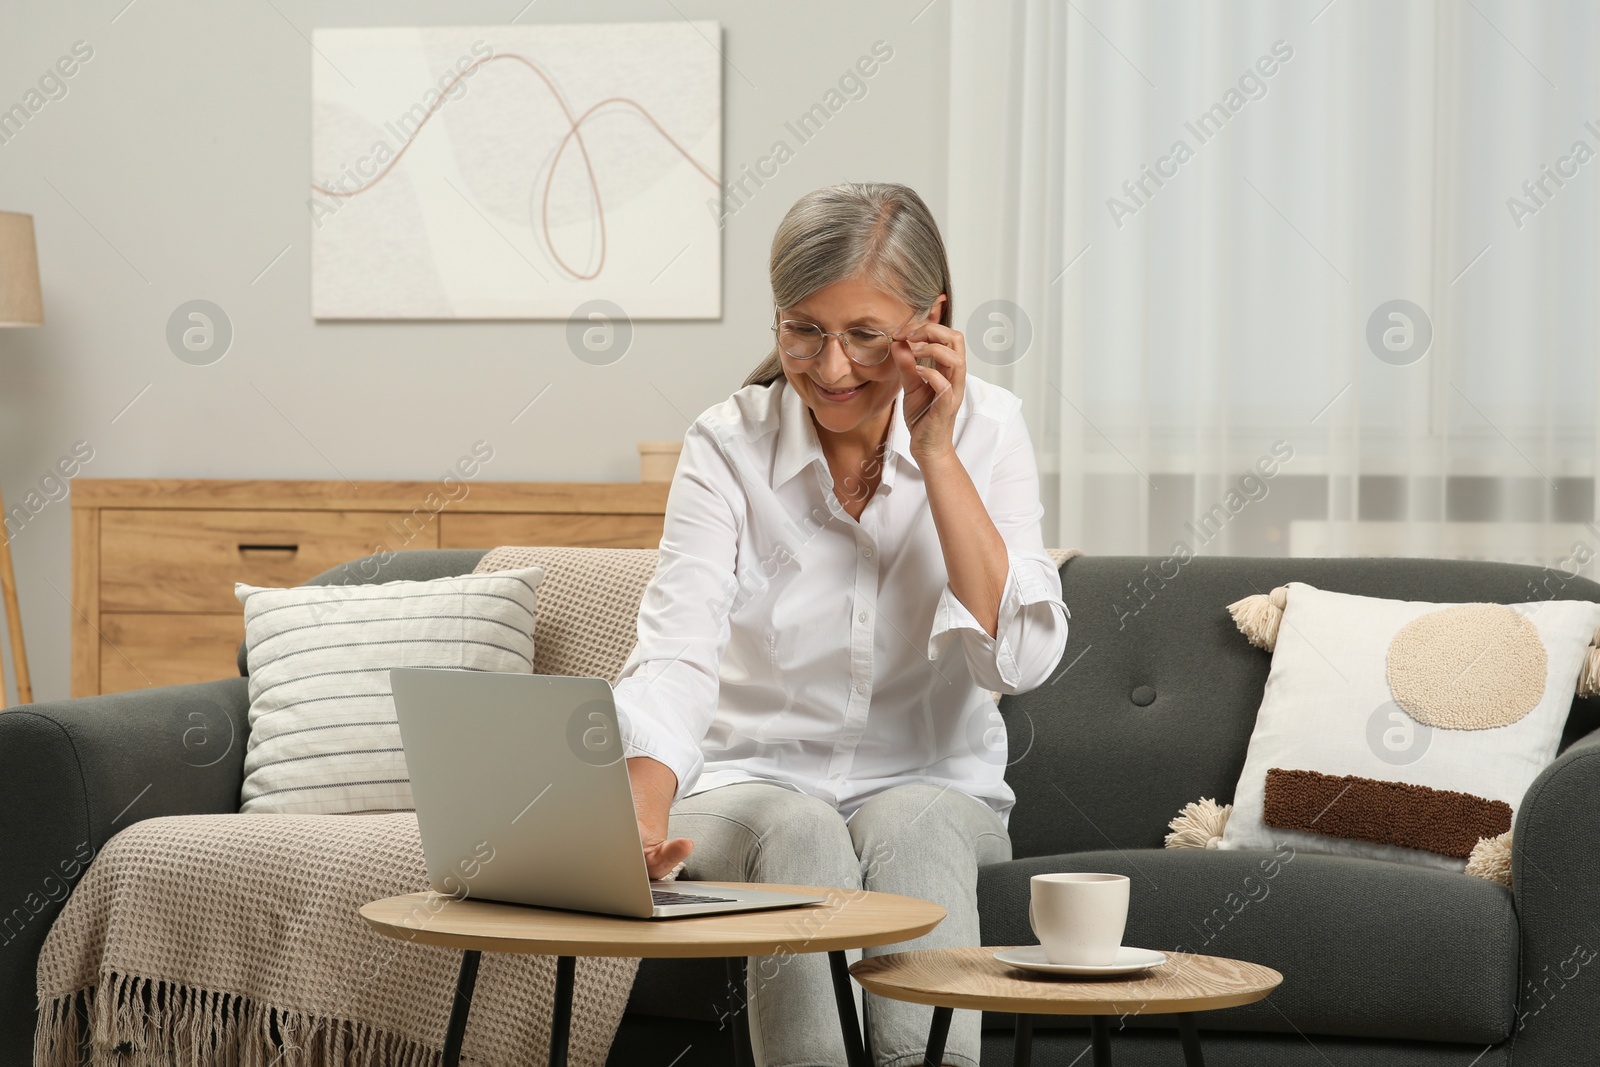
<point>1259,616</point>
<point>1589,676</point>
<point>144,1022</point>
<point>1199,824</point>
<point>1491,859</point>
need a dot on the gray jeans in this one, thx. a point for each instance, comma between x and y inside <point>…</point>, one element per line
<point>916,840</point>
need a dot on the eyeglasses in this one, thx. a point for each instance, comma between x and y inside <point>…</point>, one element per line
<point>863,344</point>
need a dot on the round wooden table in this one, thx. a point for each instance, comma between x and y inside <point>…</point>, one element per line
<point>950,978</point>
<point>849,919</point>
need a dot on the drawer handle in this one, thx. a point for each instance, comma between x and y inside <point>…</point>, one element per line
<point>287,550</point>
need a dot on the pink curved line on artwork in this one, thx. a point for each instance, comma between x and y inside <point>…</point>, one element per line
<point>573,132</point>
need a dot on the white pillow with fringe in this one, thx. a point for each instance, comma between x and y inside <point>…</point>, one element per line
<point>1399,730</point>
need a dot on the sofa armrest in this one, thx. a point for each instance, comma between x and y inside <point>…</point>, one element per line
<point>1555,874</point>
<point>72,774</point>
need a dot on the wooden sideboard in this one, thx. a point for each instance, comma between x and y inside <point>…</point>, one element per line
<point>154,560</point>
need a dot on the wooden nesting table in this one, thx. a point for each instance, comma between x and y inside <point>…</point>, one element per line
<point>849,919</point>
<point>950,978</point>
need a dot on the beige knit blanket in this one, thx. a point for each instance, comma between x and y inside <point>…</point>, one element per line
<point>235,940</point>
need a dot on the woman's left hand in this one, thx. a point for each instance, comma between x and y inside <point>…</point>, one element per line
<point>932,396</point>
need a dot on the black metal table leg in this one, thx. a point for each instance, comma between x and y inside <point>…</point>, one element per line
<point>466,978</point>
<point>855,1051</point>
<point>738,986</point>
<point>938,1033</point>
<point>1100,1030</point>
<point>561,1015</point>
<point>1191,1040</point>
<point>1022,1043</point>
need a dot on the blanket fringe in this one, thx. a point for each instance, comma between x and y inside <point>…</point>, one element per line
<point>134,1021</point>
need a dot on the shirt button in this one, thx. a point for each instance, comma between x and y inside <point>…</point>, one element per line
<point>834,776</point>
<point>866,552</point>
<point>849,737</point>
<point>862,616</point>
<point>861,687</point>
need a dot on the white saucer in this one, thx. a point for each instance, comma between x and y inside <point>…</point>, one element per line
<point>1129,960</point>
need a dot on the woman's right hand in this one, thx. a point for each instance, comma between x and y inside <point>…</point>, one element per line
<point>654,785</point>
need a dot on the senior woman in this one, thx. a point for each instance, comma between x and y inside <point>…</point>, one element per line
<point>851,561</point>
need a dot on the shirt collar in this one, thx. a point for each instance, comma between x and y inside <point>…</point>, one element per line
<point>798,446</point>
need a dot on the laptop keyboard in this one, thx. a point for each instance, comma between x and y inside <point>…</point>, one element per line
<point>662,896</point>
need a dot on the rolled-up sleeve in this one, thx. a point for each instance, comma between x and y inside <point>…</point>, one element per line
<point>1031,630</point>
<point>666,694</point>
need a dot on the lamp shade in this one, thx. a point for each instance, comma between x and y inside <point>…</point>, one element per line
<point>20,302</point>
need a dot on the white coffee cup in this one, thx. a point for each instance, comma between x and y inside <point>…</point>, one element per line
<point>1079,918</point>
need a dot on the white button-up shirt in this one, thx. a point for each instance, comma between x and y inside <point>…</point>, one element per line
<point>782,640</point>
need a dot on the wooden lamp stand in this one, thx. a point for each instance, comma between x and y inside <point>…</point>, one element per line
<point>21,304</point>
<point>13,619</point>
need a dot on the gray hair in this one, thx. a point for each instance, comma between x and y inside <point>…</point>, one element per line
<point>880,232</point>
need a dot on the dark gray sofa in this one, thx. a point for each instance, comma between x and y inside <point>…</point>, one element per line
<point>1152,707</point>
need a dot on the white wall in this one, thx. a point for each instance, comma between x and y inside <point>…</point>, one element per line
<point>176,166</point>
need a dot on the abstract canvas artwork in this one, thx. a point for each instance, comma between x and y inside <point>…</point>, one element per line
<point>516,172</point>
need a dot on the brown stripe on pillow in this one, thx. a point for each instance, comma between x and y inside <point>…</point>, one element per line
<point>1390,813</point>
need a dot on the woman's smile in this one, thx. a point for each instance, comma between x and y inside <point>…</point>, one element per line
<point>841,395</point>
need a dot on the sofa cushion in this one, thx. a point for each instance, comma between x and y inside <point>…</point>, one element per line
<point>323,737</point>
<point>1367,948</point>
<point>1405,730</point>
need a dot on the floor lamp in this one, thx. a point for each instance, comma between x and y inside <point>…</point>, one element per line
<point>20,305</point>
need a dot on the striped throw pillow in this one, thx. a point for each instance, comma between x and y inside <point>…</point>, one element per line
<point>323,736</point>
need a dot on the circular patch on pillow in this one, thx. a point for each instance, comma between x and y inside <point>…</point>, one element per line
<point>1467,667</point>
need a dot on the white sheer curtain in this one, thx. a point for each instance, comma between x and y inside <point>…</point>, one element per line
<point>1198,210</point>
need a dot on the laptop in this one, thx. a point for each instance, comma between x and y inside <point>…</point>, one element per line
<point>522,796</point>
